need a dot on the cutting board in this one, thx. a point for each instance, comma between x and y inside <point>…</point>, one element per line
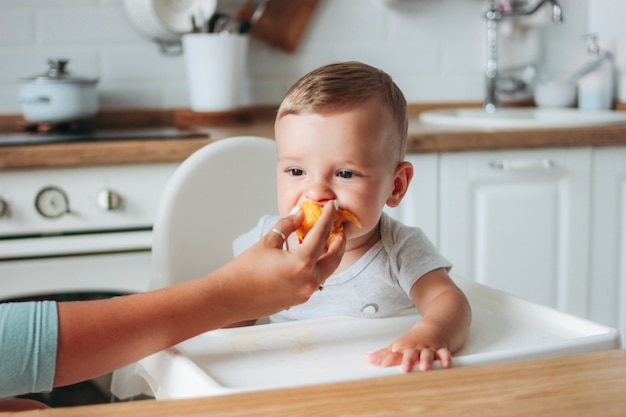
<point>283,22</point>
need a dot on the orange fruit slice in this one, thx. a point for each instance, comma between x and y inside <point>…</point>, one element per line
<point>312,212</point>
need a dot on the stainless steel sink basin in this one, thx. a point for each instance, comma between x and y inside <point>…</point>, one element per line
<point>522,118</point>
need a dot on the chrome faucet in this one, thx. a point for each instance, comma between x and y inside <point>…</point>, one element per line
<point>493,14</point>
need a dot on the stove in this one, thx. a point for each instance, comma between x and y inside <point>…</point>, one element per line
<point>78,229</point>
<point>55,127</point>
<point>94,135</point>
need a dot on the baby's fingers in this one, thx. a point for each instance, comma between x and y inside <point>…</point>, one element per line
<point>445,357</point>
<point>408,358</point>
<point>427,357</point>
<point>385,358</point>
<point>377,358</point>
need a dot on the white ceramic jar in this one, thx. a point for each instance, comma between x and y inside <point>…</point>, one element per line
<point>595,90</point>
<point>555,94</point>
<point>57,96</point>
<point>596,87</point>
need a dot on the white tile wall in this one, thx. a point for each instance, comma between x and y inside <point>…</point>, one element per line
<point>434,49</point>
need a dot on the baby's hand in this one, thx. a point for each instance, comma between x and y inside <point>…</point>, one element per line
<point>407,358</point>
<point>421,345</point>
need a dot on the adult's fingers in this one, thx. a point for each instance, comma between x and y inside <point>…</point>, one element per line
<point>318,235</point>
<point>313,246</point>
<point>329,261</point>
<point>286,225</point>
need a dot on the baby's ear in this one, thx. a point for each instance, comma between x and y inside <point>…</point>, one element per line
<point>401,180</point>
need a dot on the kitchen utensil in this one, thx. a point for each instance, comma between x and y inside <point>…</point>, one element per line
<point>228,24</point>
<point>57,96</point>
<point>282,23</point>
<point>194,25</point>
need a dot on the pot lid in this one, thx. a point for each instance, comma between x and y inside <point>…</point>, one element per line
<point>57,73</point>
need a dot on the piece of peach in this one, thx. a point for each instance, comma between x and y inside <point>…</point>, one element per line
<point>312,212</point>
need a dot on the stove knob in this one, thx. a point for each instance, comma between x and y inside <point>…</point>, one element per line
<point>4,208</point>
<point>52,202</point>
<point>108,200</point>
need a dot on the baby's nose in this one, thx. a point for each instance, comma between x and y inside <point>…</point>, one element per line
<point>320,191</point>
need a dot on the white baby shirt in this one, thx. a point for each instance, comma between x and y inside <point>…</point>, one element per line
<point>377,285</point>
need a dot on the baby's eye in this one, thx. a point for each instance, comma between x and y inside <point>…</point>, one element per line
<point>345,174</point>
<point>295,172</point>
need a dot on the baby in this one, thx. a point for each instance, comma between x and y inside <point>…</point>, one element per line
<point>341,135</point>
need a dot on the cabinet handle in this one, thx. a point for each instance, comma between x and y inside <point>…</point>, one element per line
<point>523,164</point>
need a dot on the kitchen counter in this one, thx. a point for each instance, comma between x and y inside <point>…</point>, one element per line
<point>590,384</point>
<point>72,154</point>
<point>422,139</point>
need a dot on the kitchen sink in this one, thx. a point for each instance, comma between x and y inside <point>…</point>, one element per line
<point>522,118</point>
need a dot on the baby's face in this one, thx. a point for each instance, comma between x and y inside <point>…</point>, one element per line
<point>344,156</point>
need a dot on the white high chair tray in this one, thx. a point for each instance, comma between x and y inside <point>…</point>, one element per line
<point>268,356</point>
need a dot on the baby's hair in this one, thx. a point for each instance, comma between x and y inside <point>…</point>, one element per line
<point>343,86</point>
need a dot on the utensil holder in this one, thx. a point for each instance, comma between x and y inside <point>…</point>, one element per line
<point>216,65</point>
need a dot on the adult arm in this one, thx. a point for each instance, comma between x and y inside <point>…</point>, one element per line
<point>96,337</point>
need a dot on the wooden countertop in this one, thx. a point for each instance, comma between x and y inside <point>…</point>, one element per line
<point>430,139</point>
<point>422,139</point>
<point>589,384</point>
<point>75,154</point>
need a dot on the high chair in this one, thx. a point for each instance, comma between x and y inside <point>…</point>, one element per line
<point>216,194</point>
<point>221,191</point>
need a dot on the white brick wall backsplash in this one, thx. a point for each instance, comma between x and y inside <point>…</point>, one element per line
<point>434,49</point>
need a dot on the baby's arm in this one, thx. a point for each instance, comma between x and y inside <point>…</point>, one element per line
<point>446,317</point>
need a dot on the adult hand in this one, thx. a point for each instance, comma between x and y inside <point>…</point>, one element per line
<point>272,279</point>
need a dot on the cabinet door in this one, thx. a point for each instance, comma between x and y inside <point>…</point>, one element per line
<point>608,239</point>
<point>519,221</point>
<point>420,206</point>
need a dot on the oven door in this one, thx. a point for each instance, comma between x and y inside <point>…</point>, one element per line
<point>110,262</point>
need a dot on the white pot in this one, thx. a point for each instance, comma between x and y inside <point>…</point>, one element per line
<point>56,96</point>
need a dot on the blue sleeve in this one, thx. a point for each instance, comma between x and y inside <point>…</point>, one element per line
<point>28,347</point>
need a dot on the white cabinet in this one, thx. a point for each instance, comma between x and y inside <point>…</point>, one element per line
<point>420,207</point>
<point>519,221</point>
<point>607,295</point>
<point>548,225</point>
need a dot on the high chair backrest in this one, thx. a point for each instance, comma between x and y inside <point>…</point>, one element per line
<point>217,193</point>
